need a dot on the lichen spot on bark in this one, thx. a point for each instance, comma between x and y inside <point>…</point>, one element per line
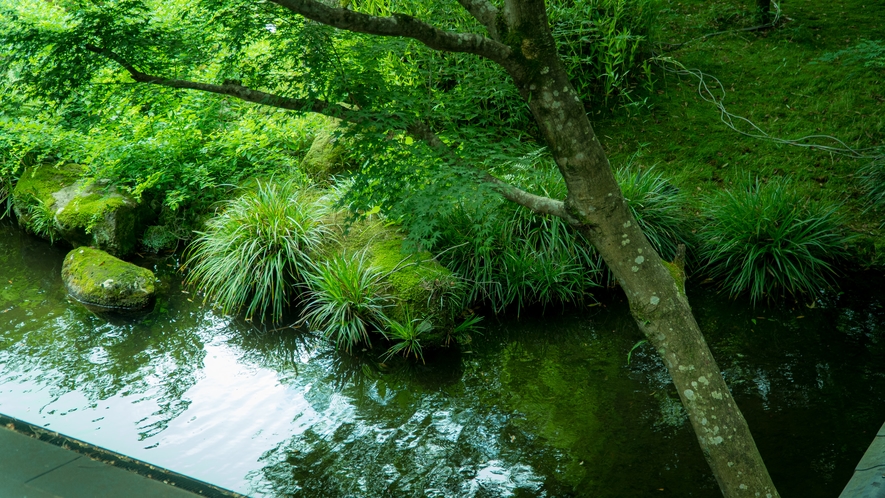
<point>627,224</point>
<point>625,242</point>
<point>634,269</point>
<point>639,250</point>
<point>639,260</point>
<point>716,440</point>
<point>556,93</point>
<point>716,395</point>
<point>654,300</point>
<point>545,70</point>
<point>689,395</point>
<point>703,380</point>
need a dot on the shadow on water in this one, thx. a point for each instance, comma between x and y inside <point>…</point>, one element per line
<point>535,406</point>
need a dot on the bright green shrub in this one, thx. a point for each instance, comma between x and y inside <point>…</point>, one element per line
<point>768,238</point>
<point>253,254</point>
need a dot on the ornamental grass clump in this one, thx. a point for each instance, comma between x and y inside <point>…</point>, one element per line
<point>767,239</point>
<point>253,254</point>
<point>345,300</point>
<point>406,334</point>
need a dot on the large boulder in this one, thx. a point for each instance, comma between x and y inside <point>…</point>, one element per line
<point>54,203</point>
<point>96,278</point>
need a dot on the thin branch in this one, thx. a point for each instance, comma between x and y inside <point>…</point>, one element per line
<point>235,89</point>
<point>399,25</point>
<point>484,12</point>
<point>537,203</point>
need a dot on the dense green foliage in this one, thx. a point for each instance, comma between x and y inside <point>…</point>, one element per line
<point>767,239</point>
<point>185,150</point>
<point>658,207</point>
<point>253,255</point>
<point>507,255</point>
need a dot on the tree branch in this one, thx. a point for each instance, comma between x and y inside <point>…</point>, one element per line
<point>418,130</point>
<point>537,203</point>
<point>484,12</point>
<point>399,25</point>
<point>235,89</point>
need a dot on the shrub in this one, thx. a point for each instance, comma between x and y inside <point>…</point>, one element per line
<point>345,300</point>
<point>508,255</point>
<point>41,218</point>
<point>767,237</point>
<point>604,44</point>
<point>253,254</point>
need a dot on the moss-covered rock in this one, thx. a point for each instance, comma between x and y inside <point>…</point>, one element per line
<point>53,202</point>
<point>327,155</point>
<point>96,278</point>
<point>416,281</point>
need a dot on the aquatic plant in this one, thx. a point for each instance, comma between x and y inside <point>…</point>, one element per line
<point>254,252</point>
<point>406,332</point>
<point>657,206</point>
<point>766,238</point>
<point>345,299</point>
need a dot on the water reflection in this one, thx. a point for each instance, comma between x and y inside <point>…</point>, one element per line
<point>539,406</point>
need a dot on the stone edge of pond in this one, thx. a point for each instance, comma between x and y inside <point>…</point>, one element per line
<point>869,474</point>
<point>118,460</point>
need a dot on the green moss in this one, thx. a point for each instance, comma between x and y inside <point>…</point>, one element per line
<point>326,156</point>
<point>776,79</point>
<point>678,275</point>
<point>107,221</point>
<point>95,277</point>
<point>42,180</point>
<point>415,280</point>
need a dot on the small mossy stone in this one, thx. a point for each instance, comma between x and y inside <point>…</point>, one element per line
<point>36,185</point>
<point>327,155</point>
<point>96,278</point>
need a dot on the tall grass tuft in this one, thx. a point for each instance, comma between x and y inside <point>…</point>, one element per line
<point>406,334</point>
<point>657,206</point>
<point>345,300</point>
<point>767,238</point>
<point>253,254</point>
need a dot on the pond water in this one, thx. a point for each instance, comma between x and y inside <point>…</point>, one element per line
<point>535,406</point>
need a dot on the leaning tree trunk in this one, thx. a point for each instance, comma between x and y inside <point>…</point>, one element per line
<point>657,299</point>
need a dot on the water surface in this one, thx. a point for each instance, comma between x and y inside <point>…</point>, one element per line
<point>535,406</point>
